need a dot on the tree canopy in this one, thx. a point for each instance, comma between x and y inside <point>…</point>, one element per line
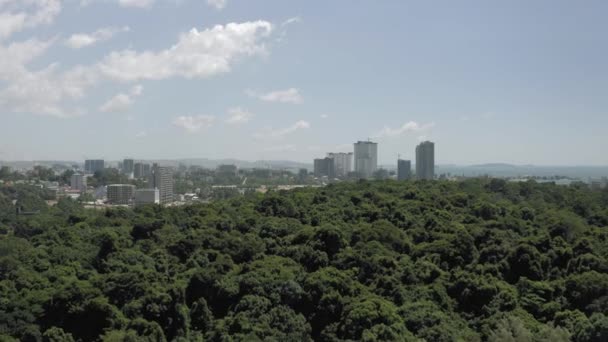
<point>477,260</point>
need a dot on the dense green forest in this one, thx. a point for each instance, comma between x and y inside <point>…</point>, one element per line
<point>478,260</point>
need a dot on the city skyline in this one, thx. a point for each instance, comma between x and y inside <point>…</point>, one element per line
<point>286,81</point>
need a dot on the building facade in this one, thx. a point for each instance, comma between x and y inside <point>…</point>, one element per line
<point>366,158</point>
<point>78,182</point>
<point>343,163</point>
<point>121,193</point>
<point>302,175</point>
<point>141,170</point>
<point>128,166</point>
<point>147,196</point>
<point>162,179</point>
<point>324,168</point>
<point>228,170</point>
<point>404,169</point>
<point>425,160</point>
<point>93,165</point>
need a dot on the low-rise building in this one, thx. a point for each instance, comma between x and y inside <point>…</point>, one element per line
<point>147,196</point>
<point>78,182</point>
<point>121,193</point>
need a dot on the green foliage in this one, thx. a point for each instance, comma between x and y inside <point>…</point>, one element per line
<point>479,260</point>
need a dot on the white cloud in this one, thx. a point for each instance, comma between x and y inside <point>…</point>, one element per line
<point>407,127</point>
<point>46,91</point>
<point>197,54</point>
<point>80,40</point>
<point>17,55</point>
<point>122,102</point>
<point>136,3</point>
<point>290,21</point>
<point>284,27</point>
<point>280,133</point>
<point>17,15</point>
<point>56,92</point>
<point>141,134</point>
<point>238,116</point>
<point>324,116</point>
<point>118,103</point>
<point>218,4</point>
<point>193,124</point>
<point>291,95</point>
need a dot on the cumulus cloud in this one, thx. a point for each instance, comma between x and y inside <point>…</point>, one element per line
<point>16,56</point>
<point>193,124</point>
<point>238,116</point>
<point>47,91</point>
<point>291,95</point>
<point>218,4</point>
<point>81,40</point>
<point>54,91</point>
<point>122,102</point>
<point>17,15</point>
<point>42,91</point>
<point>324,116</point>
<point>407,127</point>
<point>197,54</point>
<point>282,132</point>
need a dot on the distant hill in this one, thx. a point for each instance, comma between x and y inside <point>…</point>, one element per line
<point>495,165</point>
<point>203,162</point>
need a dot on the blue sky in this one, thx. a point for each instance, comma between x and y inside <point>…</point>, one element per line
<point>521,82</point>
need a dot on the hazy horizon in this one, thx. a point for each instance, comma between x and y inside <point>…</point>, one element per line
<point>515,82</point>
<point>310,163</point>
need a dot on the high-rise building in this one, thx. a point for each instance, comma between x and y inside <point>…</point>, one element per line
<point>425,160</point>
<point>228,170</point>
<point>324,168</point>
<point>121,193</point>
<point>78,182</point>
<point>343,163</point>
<point>128,166</point>
<point>93,165</point>
<point>302,175</point>
<point>366,158</point>
<point>162,179</point>
<point>141,170</point>
<point>147,196</point>
<point>404,169</point>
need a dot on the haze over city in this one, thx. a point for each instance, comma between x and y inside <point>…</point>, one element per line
<point>515,82</point>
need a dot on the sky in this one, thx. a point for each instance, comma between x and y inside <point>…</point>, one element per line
<point>523,82</point>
